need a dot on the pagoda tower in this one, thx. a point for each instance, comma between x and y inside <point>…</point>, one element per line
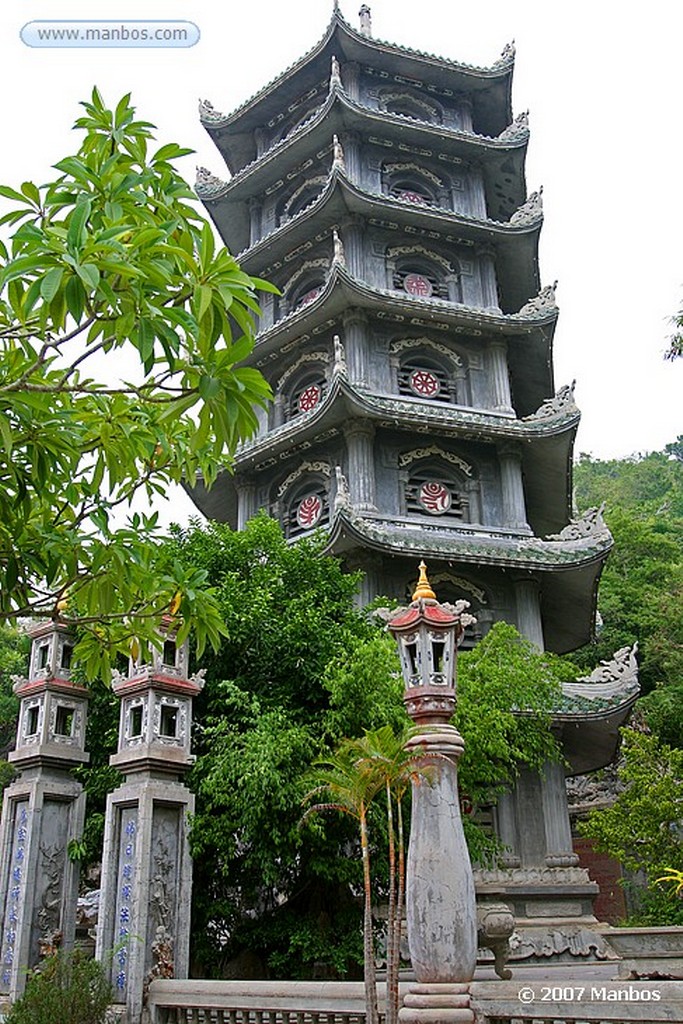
<point>410,355</point>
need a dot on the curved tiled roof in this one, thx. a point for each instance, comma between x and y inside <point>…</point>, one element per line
<point>503,66</point>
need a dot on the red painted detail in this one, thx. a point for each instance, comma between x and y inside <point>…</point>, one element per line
<point>309,511</point>
<point>411,197</point>
<point>424,383</point>
<point>434,497</point>
<point>416,284</point>
<point>309,397</point>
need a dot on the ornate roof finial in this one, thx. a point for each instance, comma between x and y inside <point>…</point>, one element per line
<point>335,74</point>
<point>365,16</point>
<point>423,588</point>
<point>338,256</point>
<point>338,158</point>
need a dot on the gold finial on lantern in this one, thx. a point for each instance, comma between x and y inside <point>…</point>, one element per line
<point>423,588</point>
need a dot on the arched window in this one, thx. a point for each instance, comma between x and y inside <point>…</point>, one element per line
<point>304,285</point>
<point>411,183</point>
<point>302,197</point>
<point>307,393</point>
<point>409,104</point>
<point>422,377</point>
<point>307,506</point>
<point>419,278</point>
<point>434,489</point>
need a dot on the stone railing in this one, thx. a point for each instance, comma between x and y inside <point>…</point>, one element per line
<point>566,1001</point>
<point>572,1000</point>
<point>258,1002</point>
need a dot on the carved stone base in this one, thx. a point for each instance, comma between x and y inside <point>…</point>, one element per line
<point>436,1004</point>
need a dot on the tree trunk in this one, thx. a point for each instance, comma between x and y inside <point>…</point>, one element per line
<point>371,1007</point>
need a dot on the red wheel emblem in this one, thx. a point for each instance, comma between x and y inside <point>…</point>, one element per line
<point>416,284</point>
<point>411,197</point>
<point>434,497</point>
<point>309,296</point>
<point>309,398</point>
<point>424,383</point>
<point>309,511</point>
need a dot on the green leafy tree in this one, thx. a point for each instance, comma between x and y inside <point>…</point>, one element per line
<point>69,988</point>
<point>641,589</point>
<point>644,827</point>
<point>14,649</point>
<point>112,272</point>
<point>300,670</point>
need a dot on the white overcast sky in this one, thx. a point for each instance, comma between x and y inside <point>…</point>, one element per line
<point>603,85</point>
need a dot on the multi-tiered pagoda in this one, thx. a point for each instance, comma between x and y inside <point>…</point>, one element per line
<point>410,354</point>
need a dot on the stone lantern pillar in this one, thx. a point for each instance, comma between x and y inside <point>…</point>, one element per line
<point>42,810</point>
<point>440,898</point>
<point>144,921</point>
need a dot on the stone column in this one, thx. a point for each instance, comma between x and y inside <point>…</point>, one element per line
<point>42,810</point>
<point>514,511</point>
<point>351,80</point>
<point>354,250</point>
<point>487,274</point>
<point>474,498</point>
<point>360,436</point>
<point>246,502</point>
<point>527,599</point>
<point>255,207</point>
<point>351,143</point>
<point>356,345</point>
<point>500,379</point>
<point>558,832</point>
<point>144,922</point>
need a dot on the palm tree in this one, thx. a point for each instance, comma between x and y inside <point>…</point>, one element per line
<point>351,791</point>
<point>353,777</point>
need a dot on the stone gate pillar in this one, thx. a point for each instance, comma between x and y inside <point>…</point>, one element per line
<point>144,922</point>
<point>42,810</point>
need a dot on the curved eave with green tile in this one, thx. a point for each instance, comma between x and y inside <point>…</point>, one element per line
<point>529,336</point>
<point>500,158</point>
<point>490,88</point>
<point>516,246</point>
<point>567,571</point>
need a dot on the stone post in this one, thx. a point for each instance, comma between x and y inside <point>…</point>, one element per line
<point>144,921</point>
<point>42,810</point>
<point>440,898</point>
<point>502,400</point>
<point>514,506</point>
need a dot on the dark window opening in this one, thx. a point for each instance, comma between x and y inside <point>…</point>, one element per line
<point>168,721</point>
<point>64,721</point>
<point>32,718</point>
<point>135,721</point>
<point>169,653</point>
<point>67,653</point>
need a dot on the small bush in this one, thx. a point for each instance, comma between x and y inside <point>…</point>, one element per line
<point>67,988</point>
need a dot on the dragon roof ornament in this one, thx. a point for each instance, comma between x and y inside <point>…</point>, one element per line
<point>208,185</point>
<point>590,524</point>
<point>507,56</point>
<point>542,303</point>
<point>562,402</point>
<point>519,129</point>
<point>208,113</point>
<point>530,211</point>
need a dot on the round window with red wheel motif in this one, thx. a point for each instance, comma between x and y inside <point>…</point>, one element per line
<point>411,197</point>
<point>424,383</point>
<point>309,511</point>
<point>416,284</point>
<point>434,497</point>
<point>309,398</point>
<point>309,296</point>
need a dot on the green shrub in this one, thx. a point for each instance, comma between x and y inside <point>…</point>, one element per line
<point>67,988</point>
